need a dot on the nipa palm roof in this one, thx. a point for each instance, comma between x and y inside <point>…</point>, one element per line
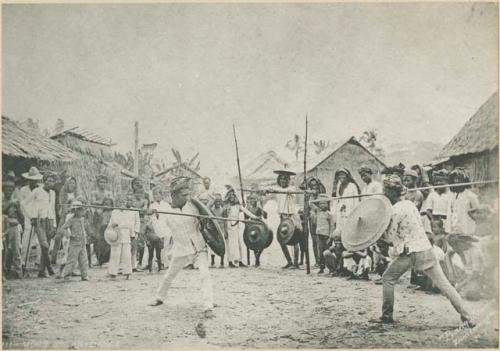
<point>25,143</point>
<point>479,134</point>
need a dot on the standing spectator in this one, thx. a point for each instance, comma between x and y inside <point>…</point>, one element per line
<point>77,229</point>
<point>12,229</point>
<point>67,194</point>
<point>123,225</point>
<point>138,242</point>
<point>219,211</point>
<point>154,242</point>
<point>372,186</point>
<point>97,197</point>
<point>324,229</point>
<point>29,240</point>
<point>344,185</point>
<point>44,220</point>
<point>254,207</point>
<point>234,245</point>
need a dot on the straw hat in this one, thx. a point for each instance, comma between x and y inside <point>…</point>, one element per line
<point>33,174</point>
<point>366,223</point>
<point>112,236</point>
<point>284,172</point>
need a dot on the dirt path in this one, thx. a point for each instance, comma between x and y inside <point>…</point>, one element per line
<point>258,308</point>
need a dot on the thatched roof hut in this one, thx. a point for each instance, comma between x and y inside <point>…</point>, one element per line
<point>19,142</point>
<point>260,169</point>
<point>349,154</point>
<point>22,147</point>
<point>479,134</point>
<point>96,158</point>
<point>475,147</point>
<point>86,142</point>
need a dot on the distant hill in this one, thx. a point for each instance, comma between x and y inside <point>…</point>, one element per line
<point>420,152</point>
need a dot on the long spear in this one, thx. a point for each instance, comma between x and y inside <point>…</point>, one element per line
<point>306,208</point>
<point>241,181</point>
<point>166,212</point>
<point>272,191</point>
<point>409,190</point>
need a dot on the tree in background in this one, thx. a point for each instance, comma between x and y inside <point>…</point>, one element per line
<point>296,145</point>
<point>59,127</point>
<point>320,146</point>
<point>369,140</point>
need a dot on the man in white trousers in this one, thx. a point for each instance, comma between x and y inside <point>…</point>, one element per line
<point>189,245</point>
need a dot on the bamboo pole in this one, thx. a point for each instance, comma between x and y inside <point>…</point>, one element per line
<point>166,212</point>
<point>306,208</point>
<point>241,181</point>
<point>409,190</point>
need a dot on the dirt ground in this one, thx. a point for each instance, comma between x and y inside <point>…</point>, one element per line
<point>256,308</point>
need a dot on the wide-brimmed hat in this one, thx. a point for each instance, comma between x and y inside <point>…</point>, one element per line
<point>284,171</point>
<point>112,236</point>
<point>33,174</point>
<point>366,223</point>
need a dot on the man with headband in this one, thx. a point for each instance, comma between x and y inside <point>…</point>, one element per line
<point>189,245</point>
<point>413,250</point>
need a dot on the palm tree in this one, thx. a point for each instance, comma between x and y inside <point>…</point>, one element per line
<point>295,145</point>
<point>368,139</point>
<point>320,146</point>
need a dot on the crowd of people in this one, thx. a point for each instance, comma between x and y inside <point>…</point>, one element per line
<point>462,231</point>
<point>64,232</point>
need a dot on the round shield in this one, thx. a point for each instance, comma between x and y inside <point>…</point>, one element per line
<point>286,229</point>
<point>269,239</point>
<point>257,235</point>
<point>289,231</point>
<point>210,229</point>
<point>366,223</point>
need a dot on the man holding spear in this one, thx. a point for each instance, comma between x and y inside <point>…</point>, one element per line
<point>413,250</point>
<point>189,245</point>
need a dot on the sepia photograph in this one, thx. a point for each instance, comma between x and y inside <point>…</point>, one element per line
<point>250,175</point>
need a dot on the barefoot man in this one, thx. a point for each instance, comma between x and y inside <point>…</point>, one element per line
<point>407,235</point>
<point>189,246</point>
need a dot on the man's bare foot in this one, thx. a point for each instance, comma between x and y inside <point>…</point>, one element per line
<point>156,302</point>
<point>209,314</point>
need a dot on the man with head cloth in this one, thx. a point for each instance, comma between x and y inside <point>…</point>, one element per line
<point>189,245</point>
<point>413,250</point>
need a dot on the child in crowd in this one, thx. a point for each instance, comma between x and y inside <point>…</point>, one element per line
<point>122,226</point>
<point>12,230</point>
<point>325,224</point>
<point>77,228</point>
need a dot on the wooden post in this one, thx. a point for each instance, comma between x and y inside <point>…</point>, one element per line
<point>306,208</point>
<point>136,149</point>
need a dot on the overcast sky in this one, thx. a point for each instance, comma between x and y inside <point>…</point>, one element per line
<point>414,72</point>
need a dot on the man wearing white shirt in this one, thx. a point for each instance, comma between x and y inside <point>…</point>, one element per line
<point>44,219</point>
<point>372,186</point>
<point>189,245</point>
<point>126,224</point>
<point>34,177</point>
<point>287,209</point>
